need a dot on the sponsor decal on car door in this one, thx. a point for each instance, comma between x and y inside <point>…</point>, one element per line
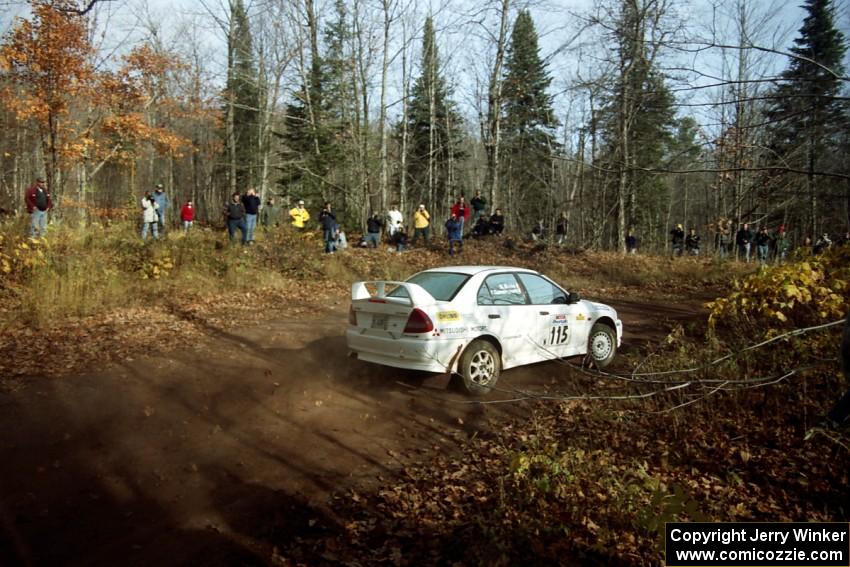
<point>555,318</point>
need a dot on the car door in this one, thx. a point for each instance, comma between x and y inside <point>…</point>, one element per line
<point>555,321</point>
<point>506,314</point>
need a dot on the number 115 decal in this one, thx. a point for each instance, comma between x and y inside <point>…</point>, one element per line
<point>559,335</point>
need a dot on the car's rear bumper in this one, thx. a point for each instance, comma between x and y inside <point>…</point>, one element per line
<point>619,325</point>
<point>429,355</point>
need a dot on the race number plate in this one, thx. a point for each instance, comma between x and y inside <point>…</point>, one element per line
<point>379,322</point>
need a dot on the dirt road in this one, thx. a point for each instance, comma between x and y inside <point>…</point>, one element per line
<point>211,453</point>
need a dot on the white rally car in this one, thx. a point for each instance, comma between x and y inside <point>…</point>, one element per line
<point>476,321</point>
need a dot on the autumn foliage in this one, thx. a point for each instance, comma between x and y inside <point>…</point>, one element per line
<point>83,111</point>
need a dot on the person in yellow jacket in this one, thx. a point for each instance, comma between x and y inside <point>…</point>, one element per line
<point>299,216</point>
<point>421,225</point>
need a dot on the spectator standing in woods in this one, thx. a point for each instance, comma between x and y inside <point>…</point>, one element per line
<point>462,210</point>
<point>677,238</point>
<point>38,202</point>
<point>270,214</point>
<point>497,222</point>
<point>479,205</point>
<point>454,233</point>
<point>421,225</point>
<point>299,215</point>
<point>721,238</point>
<point>561,229</point>
<point>252,210</point>
<point>783,244</point>
<point>762,240</point>
<point>631,242</point>
<point>327,220</point>
<point>235,214</point>
<point>150,218</point>
<point>162,206</point>
<point>394,220</point>
<point>692,242</point>
<point>187,215</point>
<point>744,242</point>
<point>374,224</point>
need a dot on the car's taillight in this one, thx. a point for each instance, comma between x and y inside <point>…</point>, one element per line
<point>352,315</point>
<point>418,322</point>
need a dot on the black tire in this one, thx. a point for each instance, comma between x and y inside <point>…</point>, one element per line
<point>480,367</point>
<point>601,345</point>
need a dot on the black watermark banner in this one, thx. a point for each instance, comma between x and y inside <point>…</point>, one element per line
<point>758,544</point>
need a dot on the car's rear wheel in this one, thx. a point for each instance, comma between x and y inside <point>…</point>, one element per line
<point>602,345</point>
<point>480,366</point>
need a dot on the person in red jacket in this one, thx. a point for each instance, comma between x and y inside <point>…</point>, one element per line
<point>462,211</point>
<point>38,203</point>
<point>187,215</point>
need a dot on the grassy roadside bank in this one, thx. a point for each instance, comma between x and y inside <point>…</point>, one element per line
<point>100,292</point>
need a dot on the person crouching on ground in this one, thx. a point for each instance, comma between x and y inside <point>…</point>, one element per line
<point>399,238</point>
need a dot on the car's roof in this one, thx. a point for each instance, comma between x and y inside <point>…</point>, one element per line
<point>473,270</point>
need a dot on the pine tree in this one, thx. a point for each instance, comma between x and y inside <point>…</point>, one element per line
<point>805,116</point>
<point>242,102</point>
<point>434,128</point>
<point>528,126</point>
<point>636,120</point>
<point>305,139</point>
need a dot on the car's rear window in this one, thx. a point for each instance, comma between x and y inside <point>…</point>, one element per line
<point>443,286</point>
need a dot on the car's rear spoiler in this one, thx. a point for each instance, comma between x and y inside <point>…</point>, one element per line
<point>416,294</point>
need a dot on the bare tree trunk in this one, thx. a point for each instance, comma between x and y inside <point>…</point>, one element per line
<point>382,119</point>
<point>494,110</point>
<point>404,134</point>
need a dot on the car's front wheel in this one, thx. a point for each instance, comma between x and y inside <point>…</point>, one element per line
<point>480,367</point>
<point>602,345</point>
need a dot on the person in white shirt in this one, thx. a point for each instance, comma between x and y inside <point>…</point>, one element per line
<point>394,220</point>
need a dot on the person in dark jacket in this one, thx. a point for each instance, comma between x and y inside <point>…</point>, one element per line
<point>762,240</point>
<point>631,242</point>
<point>561,229</point>
<point>454,233</point>
<point>38,202</point>
<point>374,224</point>
<point>327,220</point>
<point>479,204</point>
<point>692,242</point>
<point>497,222</point>
<point>823,243</point>
<point>235,215</point>
<point>677,238</point>
<point>480,228</point>
<point>539,231</point>
<point>744,242</point>
<point>400,238</point>
<point>252,210</point>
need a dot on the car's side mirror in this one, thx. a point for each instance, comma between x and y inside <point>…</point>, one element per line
<point>574,297</point>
